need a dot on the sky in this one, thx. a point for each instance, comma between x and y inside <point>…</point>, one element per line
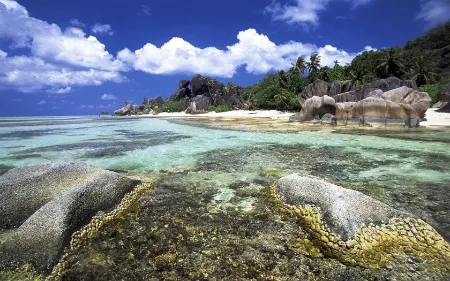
<point>84,57</point>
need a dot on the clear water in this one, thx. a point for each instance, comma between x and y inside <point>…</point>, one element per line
<point>410,171</point>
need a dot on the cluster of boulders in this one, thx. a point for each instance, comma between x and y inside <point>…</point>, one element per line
<point>147,107</point>
<point>42,205</point>
<point>388,101</point>
<point>204,92</point>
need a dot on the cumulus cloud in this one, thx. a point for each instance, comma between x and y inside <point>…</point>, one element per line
<point>42,102</point>
<point>58,60</point>
<point>255,51</point>
<point>65,90</point>
<point>434,12</point>
<point>30,74</point>
<point>108,97</point>
<point>48,41</point>
<point>303,11</point>
<point>102,29</point>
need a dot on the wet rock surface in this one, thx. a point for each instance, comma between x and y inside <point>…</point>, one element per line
<point>47,203</point>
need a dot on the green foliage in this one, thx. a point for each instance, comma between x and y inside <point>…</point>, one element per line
<point>220,108</point>
<point>275,91</point>
<point>173,106</point>
<point>433,91</point>
<point>436,38</point>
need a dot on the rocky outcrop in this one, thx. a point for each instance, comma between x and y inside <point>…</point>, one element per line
<point>205,92</point>
<point>42,205</point>
<point>384,102</point>
<point>315,107</point>
<point>129,109</point>
<point>357,230</point>
<point>344,210</point>
<point>199,104</point>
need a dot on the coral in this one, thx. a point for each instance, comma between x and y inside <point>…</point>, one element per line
<point>373,247</point>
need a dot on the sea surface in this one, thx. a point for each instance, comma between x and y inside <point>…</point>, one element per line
<point>407,170</point>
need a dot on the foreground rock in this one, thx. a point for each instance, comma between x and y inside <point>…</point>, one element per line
<point>360,231</point>
<point>384,102</point>
<point>344,210</point>
<point>50,202</point>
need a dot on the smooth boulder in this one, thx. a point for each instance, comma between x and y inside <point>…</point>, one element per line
<point>344,210</point>
<point>52,200</point>
<point>315,107</point>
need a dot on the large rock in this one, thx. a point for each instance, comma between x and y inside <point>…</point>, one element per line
<point>199,104</point>
<point>318,88</point>
<point>50,202</point>
<point>419,101</point>
<point>129,109</point>
<point>343,210</point>
<point>315,106</point>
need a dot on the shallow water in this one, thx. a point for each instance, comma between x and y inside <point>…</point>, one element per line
<point>412,175</point>
<point>219,174</point>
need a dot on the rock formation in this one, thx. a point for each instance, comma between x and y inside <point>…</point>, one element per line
<point>204,92</point>
<point>383,102</point>
<point>129,109</point>
<point>42,205</point>
<point>358,230</point>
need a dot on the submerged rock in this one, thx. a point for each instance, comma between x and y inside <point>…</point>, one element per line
<point>344,210</point>
<point>50,202</point>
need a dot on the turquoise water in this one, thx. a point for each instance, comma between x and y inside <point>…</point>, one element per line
<point>412,175</point>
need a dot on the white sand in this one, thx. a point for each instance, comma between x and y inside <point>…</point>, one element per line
<point>273,114</point>
<point>436,118</point>
<point>433,118</point>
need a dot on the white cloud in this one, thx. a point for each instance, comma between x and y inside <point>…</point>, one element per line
<point>58,60</point>
<point>253,50</point>
<point>102,29</point>
<point>42,102</point>
<point>30,74</point>
<point>108,97</point>
<point>65,90</point>
<point>77,23</point>
<point>49,42</point>
<point>303,11</point>
<point>434,12</point>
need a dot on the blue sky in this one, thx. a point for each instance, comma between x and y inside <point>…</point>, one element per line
<point>82,57</point>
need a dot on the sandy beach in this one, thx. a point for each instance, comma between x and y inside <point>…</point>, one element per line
<point>434,119</point>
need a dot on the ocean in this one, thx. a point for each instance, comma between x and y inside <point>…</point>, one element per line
<point>407,170</point>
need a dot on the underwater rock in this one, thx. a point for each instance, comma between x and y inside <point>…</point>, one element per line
<point>344,210</point>
<point>52,200</point>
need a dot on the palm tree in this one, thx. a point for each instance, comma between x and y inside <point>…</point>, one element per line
<point>300,65</point>
<point>390,64</point>
<point>336,63</point>
<point>357,76</point>
<point>283,79</point>
<point>421,71</point>
<point>314,63</point>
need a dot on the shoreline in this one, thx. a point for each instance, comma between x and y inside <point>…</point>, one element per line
<point>434,119</point>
